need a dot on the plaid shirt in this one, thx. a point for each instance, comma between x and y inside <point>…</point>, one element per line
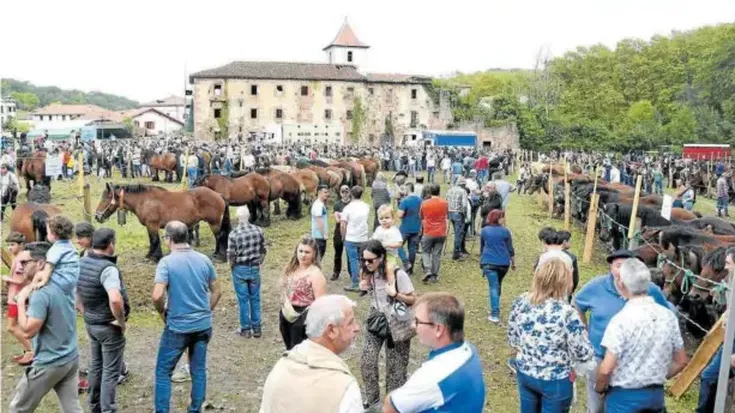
<point>457,199</point>
<point>246,245</point>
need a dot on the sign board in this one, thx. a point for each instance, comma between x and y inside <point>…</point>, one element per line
<point>666,207</point>
<point>53,165</point>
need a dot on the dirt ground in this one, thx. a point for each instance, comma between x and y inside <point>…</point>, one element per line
<point>238,367</point>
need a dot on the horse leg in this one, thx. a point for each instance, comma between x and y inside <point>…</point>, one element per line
<point>154,174</point>
<point>277,206</point>
<point>265,210</point>
<point>156,253</point>
<point>196,234</point>
<point>150,245</point>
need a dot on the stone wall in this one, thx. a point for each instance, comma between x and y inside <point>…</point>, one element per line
<point>501,137</point>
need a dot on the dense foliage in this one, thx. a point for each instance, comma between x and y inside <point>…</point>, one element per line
<point>669,90</point>
<point>29,96</point>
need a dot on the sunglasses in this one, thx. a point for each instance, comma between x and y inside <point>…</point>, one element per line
<point>368,260</point>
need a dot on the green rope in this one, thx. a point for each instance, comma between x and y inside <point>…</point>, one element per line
<point>660,261</point>
<point>719,291</point>
<point>687,281</point>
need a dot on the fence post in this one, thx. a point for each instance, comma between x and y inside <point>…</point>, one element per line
<point>634,213</point>
<point>726,350</point>
<point>551,190</point>
<point>589,238</point>
<point>80,177</point>
<point>186,169</point>
<point>87,203</point>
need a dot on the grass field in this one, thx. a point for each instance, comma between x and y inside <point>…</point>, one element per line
<point>238,367</point>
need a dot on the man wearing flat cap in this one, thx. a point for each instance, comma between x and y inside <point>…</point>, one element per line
<point>602,299</point>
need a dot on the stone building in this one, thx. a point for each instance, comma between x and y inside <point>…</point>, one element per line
<point>316,102</point>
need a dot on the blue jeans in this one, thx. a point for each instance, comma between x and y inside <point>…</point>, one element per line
<point>191,175</point>
<point>658,187</point>
<point>458,222</point>
<point>413,243</point>
<point>170,349</point>
<point>708,384</point>
<point>431,170</point>
<point>544,396</point>
<point>722,203</point>
<point>619,400</point>
<point>246,280</point>
<point>494,283</point>
<point>353,260</point>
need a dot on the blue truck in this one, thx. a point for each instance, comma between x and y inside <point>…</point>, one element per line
<point>450,138</point>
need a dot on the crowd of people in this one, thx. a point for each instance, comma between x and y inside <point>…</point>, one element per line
<point>617,330</point>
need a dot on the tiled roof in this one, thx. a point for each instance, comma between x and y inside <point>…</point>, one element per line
<point>92,112</point>
<point>346,37</point>
<point>168,101</point>
<point>395,78</point>
<point>282,70</point>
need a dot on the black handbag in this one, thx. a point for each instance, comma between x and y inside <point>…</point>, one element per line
<point>377,324</point>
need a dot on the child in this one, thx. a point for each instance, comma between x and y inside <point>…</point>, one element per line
<point>16,282</point>
<point>83,233</point>
<point>62,259</point>
<point>389,235</point>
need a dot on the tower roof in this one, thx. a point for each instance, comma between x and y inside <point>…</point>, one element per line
<point>346,38</point>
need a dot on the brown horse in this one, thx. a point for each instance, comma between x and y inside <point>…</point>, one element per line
<point>283,186</point>
<point>155,207</point>
<point>308,181</point>
<point>371,168</point>
<point>166,163</point>
<point>345,174</point>
<point>252,190</point>
<point>33,169</point>
<point>356,170</point>
<point>30,220</point>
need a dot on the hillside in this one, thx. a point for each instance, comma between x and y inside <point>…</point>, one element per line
<point>30,96</point>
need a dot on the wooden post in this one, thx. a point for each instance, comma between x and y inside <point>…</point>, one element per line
<point>186,168</point>
<point>80,177</point>
<point>87,203</point>
<point>634,212</point>
<point>597,175</point>
<point>551,190</point>
<point>6,258</point>
<point>700,359</point>
<point>589,239</point>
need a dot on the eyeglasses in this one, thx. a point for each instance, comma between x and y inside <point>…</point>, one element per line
<point>24,262</point>
<point>418,322</point>
<point>368,260</point>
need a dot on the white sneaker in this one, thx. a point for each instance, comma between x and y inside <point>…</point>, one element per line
<point>492,319</point>
<point>182,375</point>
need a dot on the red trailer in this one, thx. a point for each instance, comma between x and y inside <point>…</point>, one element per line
<point>706,151</point>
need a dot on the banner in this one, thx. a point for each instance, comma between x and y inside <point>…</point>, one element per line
<point>666,207</point>
<point>53,165</point>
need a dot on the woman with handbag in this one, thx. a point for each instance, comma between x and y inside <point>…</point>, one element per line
<point>303,282</point>
<point>389,321</point>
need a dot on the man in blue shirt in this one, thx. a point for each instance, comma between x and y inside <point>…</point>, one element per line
<point>602,300</point>
<point>457,169</point>
<point>451,379</point>
<point>188,279</point>
<point>48,317</point>
<point>408,211</point>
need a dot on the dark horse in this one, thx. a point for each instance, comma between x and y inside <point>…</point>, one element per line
<point>620,214</point>
<point>155,207</point>
<point>283,186</point>
<point>30,220</point>
<point>33,168</point>
<point>167,162</point>
<point>252,190</point>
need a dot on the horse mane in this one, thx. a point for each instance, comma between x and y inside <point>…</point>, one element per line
<point>263,170</point>
<point>716,259</point>
<point>686,234</point>
<point>651,216</point>
<point>137,188</point>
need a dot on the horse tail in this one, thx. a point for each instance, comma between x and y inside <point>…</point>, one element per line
<point>364,178</point>
<point>697,214</point>
<point>39,218</point>
<point>226,224</point>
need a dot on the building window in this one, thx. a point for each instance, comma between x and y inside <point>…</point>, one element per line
<point>435,114</point>
<point>279,88</point>
<point>217,113</point>
<point>254,90</point>
<point>371,91</point>
<point>414,118</point>
<point>253,113</point>
<point>349,114</point>
<point>150,125</point>
<point>350,91</point>
<point>304,90</point>
<point>217,90</point>
<point>414,93</point>
<point>328,91</point>
<point>136,123</point>
<point>240,102</point>
<point>349,57</point>
<point>371,138</point>
<point>327,114</point>
<point>279,113</point>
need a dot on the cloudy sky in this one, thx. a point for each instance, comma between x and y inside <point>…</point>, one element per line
<point>142,49</point>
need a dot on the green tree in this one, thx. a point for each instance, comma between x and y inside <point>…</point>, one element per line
<point>25,100</point>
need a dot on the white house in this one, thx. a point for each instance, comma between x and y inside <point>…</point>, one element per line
<point>7,110</point>
<point>172,106</point>
<point>55,115</point>
<point>154,122</point>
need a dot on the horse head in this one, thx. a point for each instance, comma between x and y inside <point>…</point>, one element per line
<point>109,203</point>
<point>202,181</point>
<point>713,271</point>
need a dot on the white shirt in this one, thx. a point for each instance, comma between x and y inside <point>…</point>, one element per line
<point>356,215</point>
<point>248,160</point>
<point>388,236</point>
<point>430,162</point>
<point>7,181</point>
<point>643,336</point>
<point>446,163</point>
<point>352,400</point>
<point>614,174</point>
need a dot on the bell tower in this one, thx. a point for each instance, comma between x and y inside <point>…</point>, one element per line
<point>346,48</point>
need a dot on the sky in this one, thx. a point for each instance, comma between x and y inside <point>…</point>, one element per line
<point>143,49</point>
